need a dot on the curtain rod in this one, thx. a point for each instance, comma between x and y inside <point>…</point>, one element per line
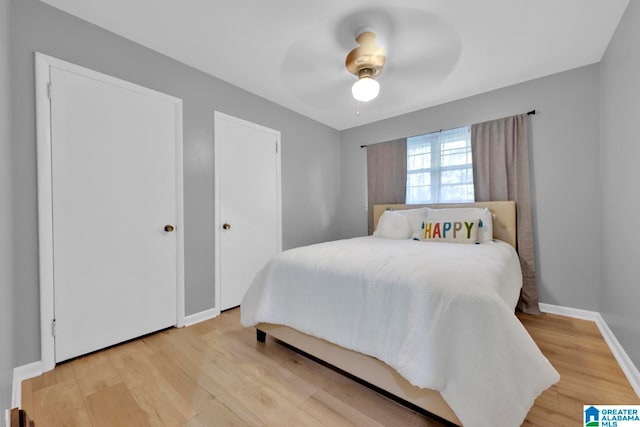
<point>529,113</point>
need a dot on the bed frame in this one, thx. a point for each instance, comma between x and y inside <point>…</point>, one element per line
<point>369,369</point>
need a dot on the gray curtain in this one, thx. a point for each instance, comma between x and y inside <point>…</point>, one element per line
<point>386,174</point>
<point>501,172</point>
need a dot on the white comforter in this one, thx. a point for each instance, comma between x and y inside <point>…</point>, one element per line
<point>441,314</point>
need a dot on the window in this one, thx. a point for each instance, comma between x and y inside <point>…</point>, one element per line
<point>439,167</point>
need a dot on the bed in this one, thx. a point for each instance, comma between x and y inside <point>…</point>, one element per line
<point>453,348</point>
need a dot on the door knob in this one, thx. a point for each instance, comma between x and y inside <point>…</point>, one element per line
<point>226,226</point>
<point>168,228</point>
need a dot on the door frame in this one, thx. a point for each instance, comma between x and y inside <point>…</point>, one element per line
<point>45,196</point>
<point>217,118</point>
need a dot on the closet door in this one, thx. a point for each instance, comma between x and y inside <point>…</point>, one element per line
<point>248,203</point>
<point>113,164</point>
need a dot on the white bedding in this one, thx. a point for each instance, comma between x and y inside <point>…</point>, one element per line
<point>441,314</point>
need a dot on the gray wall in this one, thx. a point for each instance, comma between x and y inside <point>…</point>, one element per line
<point>564,161</point>
<point>310,151</point>
<point>620,151</point>
<point>6,239</point>
<point>575,135</point>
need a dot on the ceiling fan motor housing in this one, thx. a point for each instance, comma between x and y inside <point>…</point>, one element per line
<point>366,60</point>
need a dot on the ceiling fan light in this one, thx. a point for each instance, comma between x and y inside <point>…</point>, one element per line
<point>365,89</point>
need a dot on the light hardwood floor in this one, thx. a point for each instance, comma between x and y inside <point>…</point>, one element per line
<point>216,374</point>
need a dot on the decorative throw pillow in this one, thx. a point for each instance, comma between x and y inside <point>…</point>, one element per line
<point>463,231</point>
<point>484,215</point>
<point>392,225</point>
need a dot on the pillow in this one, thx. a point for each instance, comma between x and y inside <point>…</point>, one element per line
<point>464,231</point>
<point>485,225</point>
<point>415,218</point>
<point>392,225</point>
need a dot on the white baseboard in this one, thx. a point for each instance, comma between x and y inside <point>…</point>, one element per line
<point>576,313</point>
<point>20,374</point>
<point>626,364</point>
<point>192,319</point>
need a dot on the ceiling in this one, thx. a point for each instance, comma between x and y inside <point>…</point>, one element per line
<point>292,52</point>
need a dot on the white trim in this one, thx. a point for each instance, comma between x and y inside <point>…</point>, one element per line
<point>626,364</point>
<point>217,116</point>
<point>192,319</point>
<point>20,374</point>
<point>180,285</point>
<point>45,202</point>
<point>43,64</point>
<point>576,313</point>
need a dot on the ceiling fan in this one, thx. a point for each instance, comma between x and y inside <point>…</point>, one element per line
<point>365,62</point>
<point>413,52</point>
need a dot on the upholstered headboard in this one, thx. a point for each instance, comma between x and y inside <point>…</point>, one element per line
<point>504,216</point>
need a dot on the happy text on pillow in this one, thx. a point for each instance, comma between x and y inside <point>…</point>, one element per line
<point>440,230</point>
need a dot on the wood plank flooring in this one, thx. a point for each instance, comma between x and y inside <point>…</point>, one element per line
<point>216,374</point>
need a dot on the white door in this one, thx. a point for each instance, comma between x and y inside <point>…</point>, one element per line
<point>113,174</point>
<point>248,203</point>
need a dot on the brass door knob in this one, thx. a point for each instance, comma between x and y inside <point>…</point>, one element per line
<point>226,226</point>
<point>168,228</point>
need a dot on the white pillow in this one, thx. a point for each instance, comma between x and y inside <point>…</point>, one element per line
<point>485,230</point>
<point>392,225</point>
<point>415,218</point>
